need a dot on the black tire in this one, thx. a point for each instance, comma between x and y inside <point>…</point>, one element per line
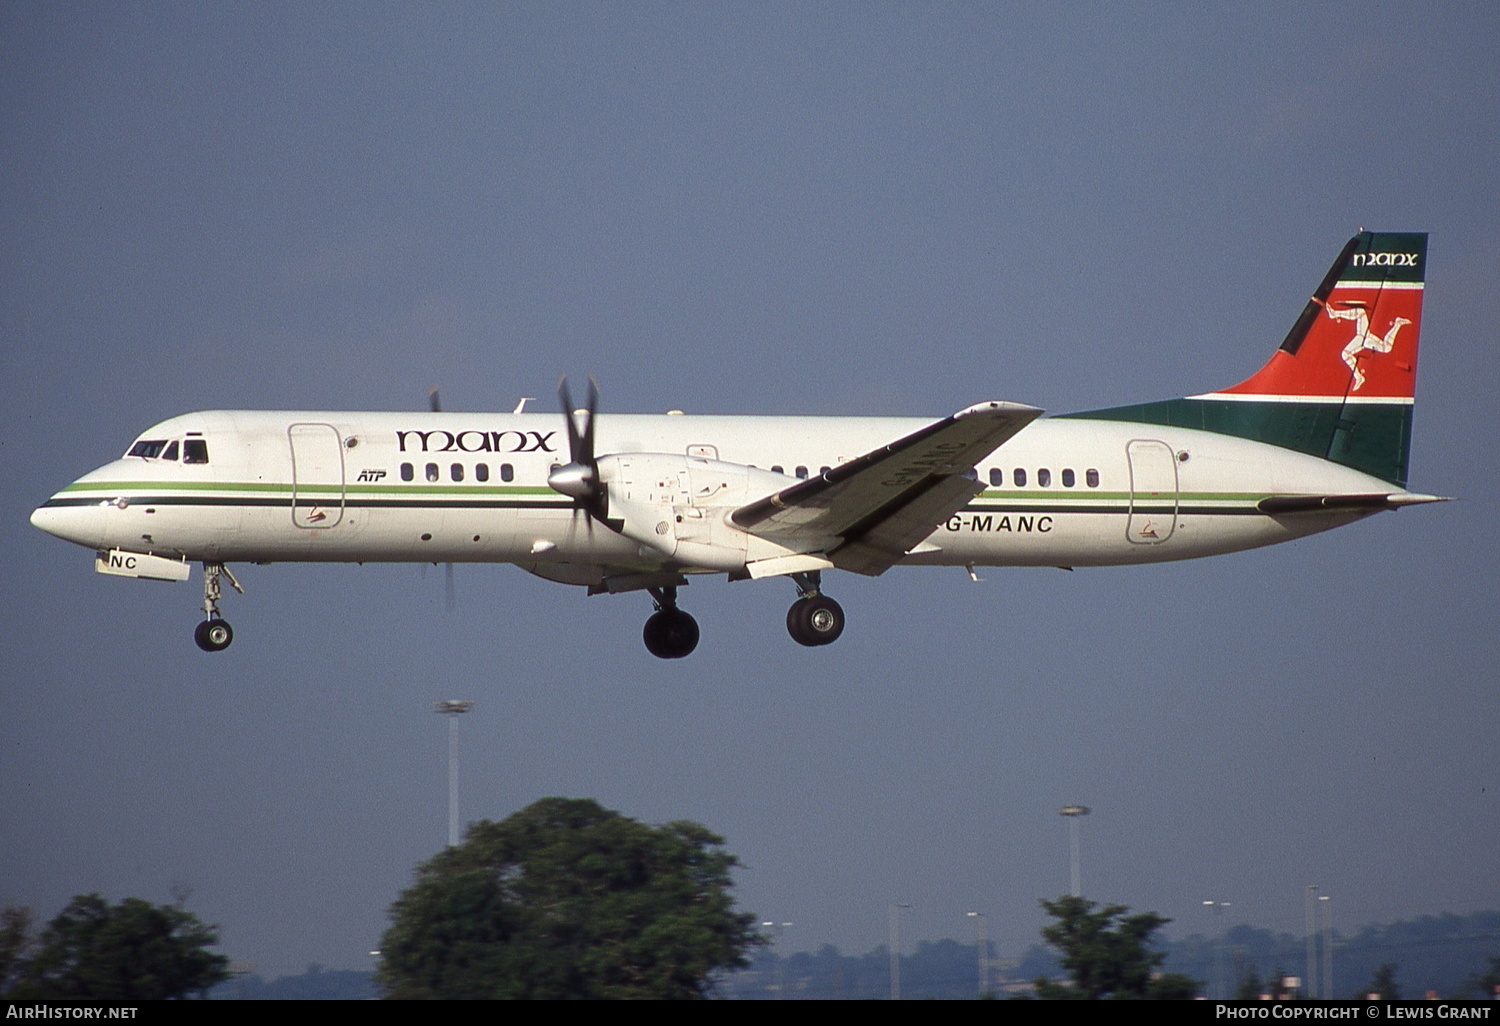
<point>670,634</point>
<point>815,620</point>
<point>213,635</point>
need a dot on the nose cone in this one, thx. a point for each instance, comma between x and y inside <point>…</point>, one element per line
<point>44,518</point>
<point>82,524</point>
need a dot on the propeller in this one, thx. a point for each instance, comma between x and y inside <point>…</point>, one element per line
<point>579,477</point>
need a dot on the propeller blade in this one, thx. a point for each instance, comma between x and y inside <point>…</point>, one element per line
<point>432,400</point>
<point>580,478</point>
<point>587,455</point>
<point>450,593</point>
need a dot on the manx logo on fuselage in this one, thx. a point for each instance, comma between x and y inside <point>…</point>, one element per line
<point>475,441</point>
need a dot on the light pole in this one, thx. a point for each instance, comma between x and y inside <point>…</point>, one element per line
<point>1327,903</point>
<point>1309,923</point>
<point>1073,813</point>
<point>776,931</point>
<point>452,709</point>
<point>982,922</point>
<point>1218,908</point>
<point>896,907</point>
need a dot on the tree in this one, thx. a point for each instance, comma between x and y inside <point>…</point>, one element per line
<point>1250,987</point>
<point>133,951</point>
<point>1383,983</point>
<point>15,939</point>
<point>1488,984</point>
<point>1105,952</point>
<point>567,899</point>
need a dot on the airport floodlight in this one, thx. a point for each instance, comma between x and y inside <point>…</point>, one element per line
<point>1220,986</point>
<point>981,922</point>
<point>1310,933</point>
<point>776,931</point>
<point>452,708</point>
<point>1326,903</point>
<point>896,907</point>
<point>1073,813</point>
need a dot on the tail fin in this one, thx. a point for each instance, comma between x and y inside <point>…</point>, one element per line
<point>1341,386</point>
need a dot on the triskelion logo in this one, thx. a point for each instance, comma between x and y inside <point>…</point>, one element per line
<point>1364,340</point>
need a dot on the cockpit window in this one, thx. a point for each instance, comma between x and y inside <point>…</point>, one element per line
<point>195,450</point>
<point>148,449</point>
<point>171,453</point>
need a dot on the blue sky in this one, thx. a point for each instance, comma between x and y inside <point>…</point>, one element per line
<point>745,208</point>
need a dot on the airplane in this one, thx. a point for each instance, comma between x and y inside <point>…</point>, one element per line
<point>1317,438</point>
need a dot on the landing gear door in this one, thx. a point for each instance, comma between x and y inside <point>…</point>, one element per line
<point>317,475</point>
<point>1153,492</point>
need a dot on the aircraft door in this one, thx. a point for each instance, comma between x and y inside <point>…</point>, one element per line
<point>1153,492</point>
<point>317,475</point>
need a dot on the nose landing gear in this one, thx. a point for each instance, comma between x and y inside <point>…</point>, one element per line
<point>214,634</point>
<point>814,619</point>
<point>670,633</point>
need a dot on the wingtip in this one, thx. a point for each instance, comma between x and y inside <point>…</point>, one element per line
<point>1417,499</point>
<point>999,406</point>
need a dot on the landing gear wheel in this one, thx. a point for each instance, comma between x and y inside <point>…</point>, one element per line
<point>213,635</point>
<point>815,620</point>
<point>670,634</point>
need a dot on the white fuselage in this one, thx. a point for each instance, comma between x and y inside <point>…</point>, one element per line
<point>461,487</point>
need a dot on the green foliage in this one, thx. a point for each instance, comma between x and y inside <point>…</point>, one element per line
<point>15,939</point>
<point>1488,983</point>
<point>1250,986</point>
<point>566,899</point>
<point>1106,954</point>
<point>1383,983</point>
<point>133,951</point>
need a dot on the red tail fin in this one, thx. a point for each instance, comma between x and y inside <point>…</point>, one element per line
<point>1356,340</point>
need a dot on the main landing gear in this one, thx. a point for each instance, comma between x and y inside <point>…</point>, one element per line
<point>670,633</point>
<point>814,619</point>
<point>214,634</point>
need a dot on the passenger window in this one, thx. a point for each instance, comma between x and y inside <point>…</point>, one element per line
<point>507,472</point>
<point>195,450</point>
<point>406,472</point>
<point>802,473</point>
<point>997,477</point>
<point>482,472</point>
<point>776,468</point>
<point>1044,478</point>
<point>171,453</point>
<point>1092,477</point>
<point>1020,478</point>
<point>457,471</point>
<point>824,470</point>
<point>1068,479</point>
<point>432,472</point>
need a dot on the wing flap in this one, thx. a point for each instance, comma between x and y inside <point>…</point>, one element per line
<point>893,533</point>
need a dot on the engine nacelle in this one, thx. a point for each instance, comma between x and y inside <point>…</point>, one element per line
<point>679,505</point>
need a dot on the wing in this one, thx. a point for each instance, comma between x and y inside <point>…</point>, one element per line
<point>868,513</point>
